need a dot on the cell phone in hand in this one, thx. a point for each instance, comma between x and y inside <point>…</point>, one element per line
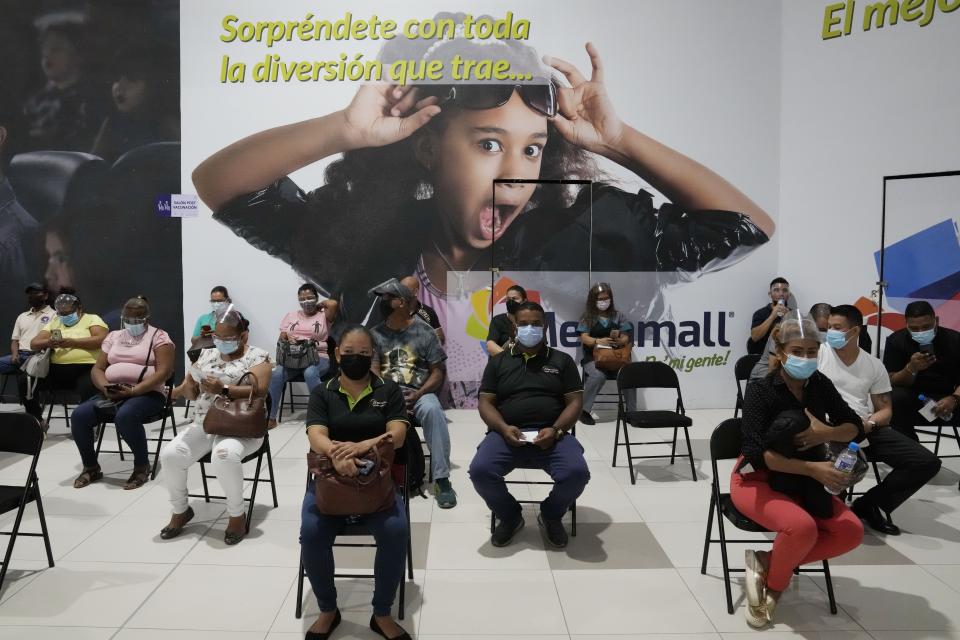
<point>615,334</point>
<point>57,335</point>
<point>926,349</point>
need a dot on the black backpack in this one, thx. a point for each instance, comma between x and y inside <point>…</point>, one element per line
<point>416,463</point>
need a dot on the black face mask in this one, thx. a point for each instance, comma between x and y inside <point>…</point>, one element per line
<point>386,308</point>
<point>512,306</point>
<point>355,365</point>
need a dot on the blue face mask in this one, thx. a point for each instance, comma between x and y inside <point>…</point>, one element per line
<point>70,320</point>
<point>530,335</point>
<point>923,337</point>
<point>800,368</point>
<point>135,330</point>
<point>226,347</point>
<point>218,306</point>
<point>837,339</point>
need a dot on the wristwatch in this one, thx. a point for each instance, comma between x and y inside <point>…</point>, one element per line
<point>225,392</point>
<point>558,433</point>
<point>873,424</point>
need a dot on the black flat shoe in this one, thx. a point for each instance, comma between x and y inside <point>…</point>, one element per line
<point>168,532</point>
<point>874,518</point>
<point>314,635</point>
<point>231,538</point>
<point>376,629</point>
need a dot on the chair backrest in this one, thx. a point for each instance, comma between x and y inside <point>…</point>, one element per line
<point>20,433</point>
<point>647,375</point>
<point>725,440</point>
<point>744,365</point>
<point>47,183</point>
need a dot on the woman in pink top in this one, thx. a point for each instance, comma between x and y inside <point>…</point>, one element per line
<point>132,368</point>
<point>310,323</point>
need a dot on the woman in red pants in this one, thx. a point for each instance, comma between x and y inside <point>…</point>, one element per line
<point>811,524</point>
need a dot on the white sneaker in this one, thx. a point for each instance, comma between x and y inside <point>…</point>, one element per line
<point>595,416</point>
<point>756,616</point>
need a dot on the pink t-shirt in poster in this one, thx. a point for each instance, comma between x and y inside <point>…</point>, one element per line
<point>126,355</point>
<point>299,325</point>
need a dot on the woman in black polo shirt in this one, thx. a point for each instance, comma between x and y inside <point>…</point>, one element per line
<point>501,325</point>
<point>347,417</point>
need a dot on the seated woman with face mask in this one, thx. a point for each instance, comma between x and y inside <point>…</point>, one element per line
<point>302,347</point>
<point>75,337</point>
<point>218,371</point>
<point>348,416</point>
<point>600,327</point>
<point>793,387</point>
<point>131,370</point>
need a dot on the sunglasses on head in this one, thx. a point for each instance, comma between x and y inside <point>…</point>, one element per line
<point>542,98</point>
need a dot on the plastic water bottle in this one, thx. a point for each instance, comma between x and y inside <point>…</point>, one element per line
<point>927,410</point>
<point>846,461</point>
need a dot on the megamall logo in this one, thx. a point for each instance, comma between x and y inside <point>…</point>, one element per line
<point>711,332</point>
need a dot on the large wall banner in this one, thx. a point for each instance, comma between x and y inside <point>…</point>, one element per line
<point>354,142</point>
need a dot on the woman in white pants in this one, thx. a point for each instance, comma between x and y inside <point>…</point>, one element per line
<point>216,372</point>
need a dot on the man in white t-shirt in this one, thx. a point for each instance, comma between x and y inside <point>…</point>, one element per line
<point>864,384</point>
<point>28,325</point>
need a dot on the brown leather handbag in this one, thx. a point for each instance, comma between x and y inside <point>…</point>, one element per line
<point>238,418</point>
<point>369,492</point>
<point>608,359</point>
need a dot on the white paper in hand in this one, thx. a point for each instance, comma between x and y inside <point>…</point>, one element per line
<point>529,436</point>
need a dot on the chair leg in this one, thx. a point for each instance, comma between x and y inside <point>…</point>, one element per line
<point>203,479</point>
<point>282,393</point>
<point>706,538</point>
<point>616,439</point>
<point>573,519</point>
<point>406,508</point>
<point>401,604</point>
<point>100,429</point>
<point>43,527</point>
<point>936,446</point>
<point>829,582</point>
<point>253,492</point>
<point>626,441</point>
<point>156,453</point>
<point>724,560</point>
<point>693,469</point>
<point>673,447</point>
<point>299,613</point>
<point>66,415</point>
<point>493,522</point>
<point>13,540</point>
<point>273,484</point>
<point>119,442</point>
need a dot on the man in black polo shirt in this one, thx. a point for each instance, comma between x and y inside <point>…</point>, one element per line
<point>530,396</point>
<point>923,359</point>
<point>768,316</point>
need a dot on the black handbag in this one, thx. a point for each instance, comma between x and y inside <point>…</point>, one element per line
<point>106,408</point>
<point>297,355</point>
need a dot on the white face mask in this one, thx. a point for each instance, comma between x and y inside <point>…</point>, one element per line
<point>603,305</point>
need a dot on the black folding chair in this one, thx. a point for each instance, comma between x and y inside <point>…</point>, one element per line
<point>293,396</point>
<point>650,375</point>
<point>166,413</point>
<point>725,445</point>
<point>573,507</point>
<point>257,455</point>
<point>741,371</point>
<point>940,425</point>
<point>360,530</point>
<point>21,433</point>
<point>3,387</point>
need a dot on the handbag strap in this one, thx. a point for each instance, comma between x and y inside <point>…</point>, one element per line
<point>253,387</point>
<point>146,363</point>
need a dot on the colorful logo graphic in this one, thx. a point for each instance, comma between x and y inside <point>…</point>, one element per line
<point>482,304</point>
<point>922,266</point>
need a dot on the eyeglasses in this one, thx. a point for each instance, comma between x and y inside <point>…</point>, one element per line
<point>542,98</point>
<point>129,320</point>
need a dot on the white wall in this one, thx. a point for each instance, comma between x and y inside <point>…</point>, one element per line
<point>854,109</point>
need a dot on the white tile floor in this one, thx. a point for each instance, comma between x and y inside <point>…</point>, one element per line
<point>631,573</point>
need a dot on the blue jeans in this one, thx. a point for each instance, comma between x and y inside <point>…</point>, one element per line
<point>7,366</point>
<point>280,376</point>
<point>563,461</point>
<point>318,533</point>
<point>129,421</point>
<point>430,415</point>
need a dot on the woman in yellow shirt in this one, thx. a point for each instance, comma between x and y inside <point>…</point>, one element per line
<point>75,337</point>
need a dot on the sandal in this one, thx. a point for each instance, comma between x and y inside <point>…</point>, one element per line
<point>87,476</point>
<point>138,478</point>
